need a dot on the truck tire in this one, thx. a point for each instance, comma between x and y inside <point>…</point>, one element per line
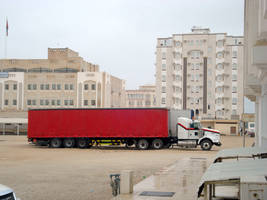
<point>206,145</point>
<point>82,143</point>
<point>68,143</point>
<point>142,144</point>
<point>157,144</point>
<point>56,143</point>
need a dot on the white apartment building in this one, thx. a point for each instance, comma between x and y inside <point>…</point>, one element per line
<point>202,71</point>
<point>145,96</point>
<point>64,80</point>
<point>255,64</point>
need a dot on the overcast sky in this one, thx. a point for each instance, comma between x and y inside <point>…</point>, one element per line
<point>119,35</point>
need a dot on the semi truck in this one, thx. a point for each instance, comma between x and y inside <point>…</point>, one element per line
<point>140,127</point>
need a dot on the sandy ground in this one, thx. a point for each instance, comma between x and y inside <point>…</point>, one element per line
<point>37,173</point>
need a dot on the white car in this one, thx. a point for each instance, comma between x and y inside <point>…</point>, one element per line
<point>7,193</point>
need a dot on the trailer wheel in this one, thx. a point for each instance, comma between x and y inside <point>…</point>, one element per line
<point>206,145</point>
<point>82,143</point>
<point>142,144</point>
<point>68,143</point>
<point>157,144</point>
<point>56,143</point>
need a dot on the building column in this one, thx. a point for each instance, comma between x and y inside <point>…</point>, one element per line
<point>257,121</point>
<point>263,116</point>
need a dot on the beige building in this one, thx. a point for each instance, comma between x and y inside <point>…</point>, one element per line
<point>145,96</point>
<point>64,80</point>
<point>255,64</point>
<point>201,71</point>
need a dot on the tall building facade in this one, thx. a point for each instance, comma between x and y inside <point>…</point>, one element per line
<point>255,68</point>
<point>202,71</point>
<point>145,96</point>
<point>64,80</point>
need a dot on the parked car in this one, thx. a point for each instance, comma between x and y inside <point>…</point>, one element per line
<point>7,193</point>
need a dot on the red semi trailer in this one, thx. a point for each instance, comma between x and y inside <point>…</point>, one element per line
<point>142,127</point>
<point>82,127</point>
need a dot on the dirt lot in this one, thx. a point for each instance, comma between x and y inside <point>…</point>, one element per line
<point>37,173</point>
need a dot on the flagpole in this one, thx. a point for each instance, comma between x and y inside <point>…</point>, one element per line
<point>6,38</point>
<point>5,47</point>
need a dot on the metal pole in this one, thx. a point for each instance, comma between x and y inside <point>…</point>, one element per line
<point>243,132</point>
<point>17,129</point>
<point>4,127</point>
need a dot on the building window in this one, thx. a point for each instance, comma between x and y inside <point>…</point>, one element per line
<point>220,55</point>
<point>192,77</point>
<point>34,86</point>
<point>220,43</point>
<point>163,101</point>
<point>197,77</point>
<point>71,87</point>
<point>208,107</point>
<point>41,102</point>
<point>163,55</point>
<point>86,87</point>
<point>54,87</point>
<point>71,102</point>
<point>234,112</point>
<point>53,101</point>
<point>163,89</point>
<point>58,102</point>
<point>139,103</point>
<point>34,102</point>
<point>93,102</point>
<point>148,103</point>
<point>6,86</point>
<point>6,102</point>
<point>234,54</point>
<point>163,67</point>
<point>29,102</point>
<point>93,86</point>
<point>42,86</point>
<point>234,77</point>
<point>58,87</point>
<point>177,43</point>
<point>29,86</point>
<point>66,102</point>
<point>15,87</point>
<point>46,102</point>
<point>66,86</point>
<point>220,66</point>
<point>47,86</point>
<point>131,103</point>
<point>85,102</point>
<point>192,66</point>
<point>234,101</point>
<point>197,66</point>
<point>14,102</point>
<point>163,78</point>
<point>234,89</point>
<point>234,66</point>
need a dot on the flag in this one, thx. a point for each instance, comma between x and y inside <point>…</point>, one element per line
<point>6,27</point>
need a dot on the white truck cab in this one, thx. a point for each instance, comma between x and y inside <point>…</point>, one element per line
<point>190,134</point>
<point>7,193</point>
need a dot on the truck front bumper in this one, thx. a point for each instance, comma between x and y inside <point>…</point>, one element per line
<point>218,144</point>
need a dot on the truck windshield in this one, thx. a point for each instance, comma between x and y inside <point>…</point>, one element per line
<point>195,125</point>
